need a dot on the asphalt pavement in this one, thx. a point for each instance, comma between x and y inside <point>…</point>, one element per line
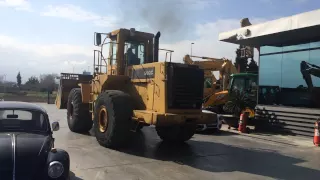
<point>227,155</point>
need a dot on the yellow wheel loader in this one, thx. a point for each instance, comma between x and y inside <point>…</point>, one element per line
<point>130,89</point>
<point>67,82</point>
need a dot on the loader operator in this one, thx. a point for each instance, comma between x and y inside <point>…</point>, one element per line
<point>131,57</point>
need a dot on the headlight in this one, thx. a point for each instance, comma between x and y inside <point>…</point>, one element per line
<point>55,169</point>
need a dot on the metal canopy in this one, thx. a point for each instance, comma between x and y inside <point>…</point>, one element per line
<point>285,31</point>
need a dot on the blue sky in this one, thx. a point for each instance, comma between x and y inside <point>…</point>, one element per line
<point>48,36</point>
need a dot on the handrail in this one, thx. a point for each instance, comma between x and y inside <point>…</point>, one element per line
<point>168,51</point>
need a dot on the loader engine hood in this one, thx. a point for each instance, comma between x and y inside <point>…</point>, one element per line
<point>185,86</point>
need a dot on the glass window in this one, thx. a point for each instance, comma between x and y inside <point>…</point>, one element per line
<point>238,84</point>
<point>114,53</point>
<point>270,70</point>
<point>134,53</point>
<point>283,77</point>
<point>22,120</point>
<point>315,44</point>
<point>269,79</point>
<point>207,83</point>
<point>270,49</point>
<point>291,75</point>
<point>296,47</point>
<point>251,83</point>
<point>22,115</point>
<point>315,60</point>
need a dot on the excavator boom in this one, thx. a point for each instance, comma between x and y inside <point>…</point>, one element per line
<point>308,69</point>
<point>216,93</point>
<point>224,66</point>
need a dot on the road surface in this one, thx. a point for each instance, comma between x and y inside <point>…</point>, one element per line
<point>205,156</point>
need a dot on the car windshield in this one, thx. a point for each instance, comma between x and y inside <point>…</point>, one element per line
<point>22,120</point>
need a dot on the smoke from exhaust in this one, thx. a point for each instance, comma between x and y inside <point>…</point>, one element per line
<point>168,16</point>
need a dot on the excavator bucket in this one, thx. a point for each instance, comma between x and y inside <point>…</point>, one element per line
<point>69,81</point>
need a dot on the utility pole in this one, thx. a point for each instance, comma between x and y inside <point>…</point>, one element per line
<point>4,84</point>
<point>191,49</point>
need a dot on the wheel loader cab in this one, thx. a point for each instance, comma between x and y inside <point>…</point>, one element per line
<point>126,48</point>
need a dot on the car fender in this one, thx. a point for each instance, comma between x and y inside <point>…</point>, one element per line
<point>63,157</point>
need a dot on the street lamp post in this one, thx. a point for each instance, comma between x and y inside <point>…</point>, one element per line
<point>191,49</point>
<point>4,84</point>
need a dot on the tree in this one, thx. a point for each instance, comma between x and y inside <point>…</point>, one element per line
<point>19,80</point>
<point>241,63</point>
<point>48,82</point>
<point>253,67</point>
<point>237,102</point>
<point>33,81</point>
<point>86,72</point>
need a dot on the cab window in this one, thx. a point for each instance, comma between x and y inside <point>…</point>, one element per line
<point>238,84</point>
<point>134,53</point>
<point>113,52</point>
<point>207,83</point>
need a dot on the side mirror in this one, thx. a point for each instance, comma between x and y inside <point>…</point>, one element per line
<point>55,126</point>
<point>97,39</point>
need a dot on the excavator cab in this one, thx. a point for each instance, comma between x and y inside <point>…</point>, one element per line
<point>245,83</point>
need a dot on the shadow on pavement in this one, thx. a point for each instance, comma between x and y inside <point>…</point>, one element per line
<point>217,157</point>
<point>218,133</point>
<point>74,177</point>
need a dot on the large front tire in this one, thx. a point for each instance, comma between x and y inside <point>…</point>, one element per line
<point>113,118</point>
<point>176,133</point>
<point>78,114</point>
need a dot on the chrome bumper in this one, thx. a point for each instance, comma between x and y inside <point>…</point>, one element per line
<point>216,125</point>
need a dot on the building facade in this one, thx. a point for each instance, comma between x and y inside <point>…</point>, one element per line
<point>289,70</point>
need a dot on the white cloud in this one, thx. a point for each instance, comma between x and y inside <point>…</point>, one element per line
<point>76,13</point>
<point>34,59</point>
<point>207,43</point>
<point>21,5</point>
<point>44,50</point>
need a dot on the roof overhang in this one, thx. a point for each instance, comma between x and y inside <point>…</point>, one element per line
<point>288,30</point>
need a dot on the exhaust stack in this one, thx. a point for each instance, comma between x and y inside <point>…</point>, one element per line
<point>156,47</point>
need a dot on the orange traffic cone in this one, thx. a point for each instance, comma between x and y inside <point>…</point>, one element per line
<point>316,138</point>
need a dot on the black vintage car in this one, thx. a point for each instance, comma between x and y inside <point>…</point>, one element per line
<point>26,144</point>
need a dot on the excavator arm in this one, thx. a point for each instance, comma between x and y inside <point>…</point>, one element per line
<point>224,66</point>
<point>308,69</point>
<point>215,96</point>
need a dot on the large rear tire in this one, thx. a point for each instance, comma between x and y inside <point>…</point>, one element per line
<point>78,114</point>
<point>176,133</point>
<point>113,119</point>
